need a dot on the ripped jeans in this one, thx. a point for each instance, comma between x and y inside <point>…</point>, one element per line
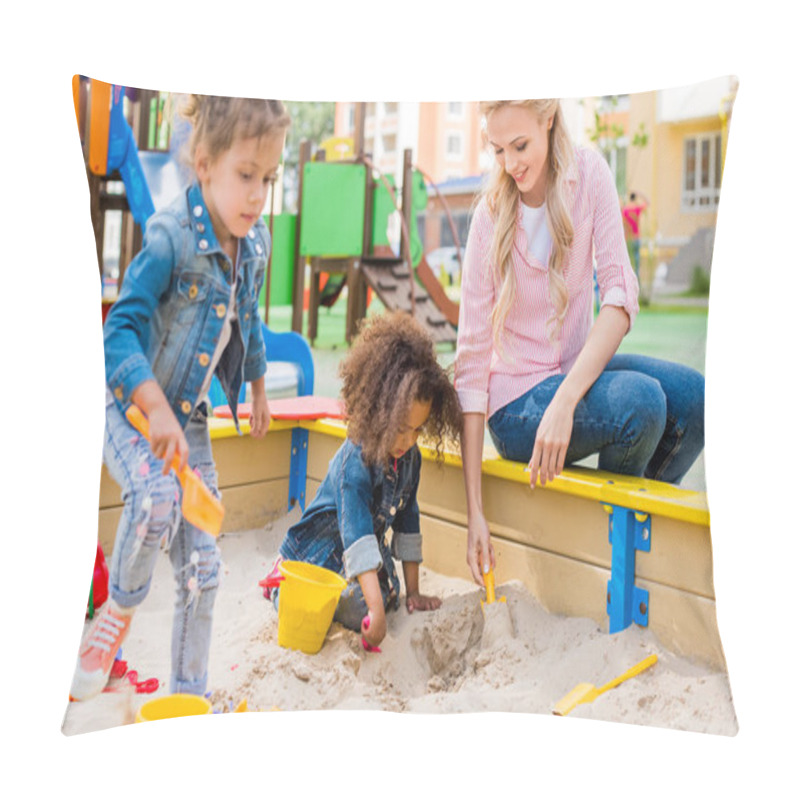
<point>151,513</point>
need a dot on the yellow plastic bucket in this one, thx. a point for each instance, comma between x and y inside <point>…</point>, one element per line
<point>306,606</point>
<point>173,705</point>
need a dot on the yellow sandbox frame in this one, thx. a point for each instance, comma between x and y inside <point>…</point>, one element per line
<point>554,539</point>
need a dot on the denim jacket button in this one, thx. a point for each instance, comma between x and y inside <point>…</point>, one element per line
<point>186,406</point>
<point>204,359</point>
<point>198,211</point>
<point>392,510</point>
<point>251,234</point>
<point>193,291</point>
<point>203,244</point>
<point>201,228</point>
<point>221,310</point>
<point>259,249</point>
<point>118,393</point>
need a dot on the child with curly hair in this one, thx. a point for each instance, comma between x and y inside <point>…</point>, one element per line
<point>393,389</point>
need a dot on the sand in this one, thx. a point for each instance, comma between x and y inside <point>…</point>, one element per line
<point>447,661</point>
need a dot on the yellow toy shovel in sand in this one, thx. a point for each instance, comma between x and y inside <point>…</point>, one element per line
<point>488,579</point>
<point>199,506</point>
<point>497,627</point>
<point>587,692</point>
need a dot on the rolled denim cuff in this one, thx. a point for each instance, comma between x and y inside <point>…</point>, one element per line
<point>407,546</point>
<point>255,366</point>
<point>472,400</point>
<point>362,556</point>
<point>133,371</point>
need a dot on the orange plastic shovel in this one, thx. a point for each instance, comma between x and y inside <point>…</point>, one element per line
<point>587,692</point>
<point>199,506</point>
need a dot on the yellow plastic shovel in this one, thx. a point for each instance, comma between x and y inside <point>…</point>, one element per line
<point>497,626</point>
<point>199,506</point>
<point>587,692</point>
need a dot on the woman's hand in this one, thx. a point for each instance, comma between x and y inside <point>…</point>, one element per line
<point>480,552</point>
<point>552,440</point>
<point>422,602</point>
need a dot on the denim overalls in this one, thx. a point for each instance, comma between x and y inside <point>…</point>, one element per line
<point>344,528</point>
<point>164,326</point>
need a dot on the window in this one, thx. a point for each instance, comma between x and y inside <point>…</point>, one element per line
<point>702,172</point>
<point>455,110</point>
<point>389,142</point>
<point>454,145</point>
<point>390,108</point>
<point>461,223</point>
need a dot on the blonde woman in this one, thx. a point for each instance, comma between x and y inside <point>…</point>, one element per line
<point>530,360</point>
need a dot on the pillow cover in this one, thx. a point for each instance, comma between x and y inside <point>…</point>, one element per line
<point>595,573</point>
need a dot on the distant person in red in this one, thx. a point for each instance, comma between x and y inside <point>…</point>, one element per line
<point>631,214</point>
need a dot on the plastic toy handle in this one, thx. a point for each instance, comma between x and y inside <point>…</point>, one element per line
<point>139,421</point>
<point>634,670</point>
<point>272,581</point>
<point>488,579</point>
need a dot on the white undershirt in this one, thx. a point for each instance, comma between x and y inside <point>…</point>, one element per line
<point>534,222</point>
<point>225,333</point>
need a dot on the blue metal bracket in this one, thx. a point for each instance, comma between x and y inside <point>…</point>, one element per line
<point>628,531</point>
<point>297,468</point>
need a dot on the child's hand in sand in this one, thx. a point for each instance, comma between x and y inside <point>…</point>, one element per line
<point>373,629</point>
<point>422,602</point>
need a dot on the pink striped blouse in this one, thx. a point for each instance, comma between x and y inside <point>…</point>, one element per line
<point>485,382</point>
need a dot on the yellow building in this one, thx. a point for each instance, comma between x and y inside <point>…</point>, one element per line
<point>669,147</point>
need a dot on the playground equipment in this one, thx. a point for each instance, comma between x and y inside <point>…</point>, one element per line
<point>112,151</point>
<point>341,229</point>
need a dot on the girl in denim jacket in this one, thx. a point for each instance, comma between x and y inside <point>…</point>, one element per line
<point>188,309</point>
<point>393,390</point>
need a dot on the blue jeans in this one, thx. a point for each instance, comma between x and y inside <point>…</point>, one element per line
<point>151,512</point>
<point>643,416</point>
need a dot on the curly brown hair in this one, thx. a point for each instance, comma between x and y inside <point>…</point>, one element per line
<point>391,365</point>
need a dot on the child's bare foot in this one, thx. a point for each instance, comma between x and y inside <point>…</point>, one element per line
<point>421,602</point>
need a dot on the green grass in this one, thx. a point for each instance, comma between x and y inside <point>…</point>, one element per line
<point>674,332</point>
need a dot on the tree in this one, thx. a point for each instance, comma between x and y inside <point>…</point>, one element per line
<point>312,121</point>
<point>607,135</point>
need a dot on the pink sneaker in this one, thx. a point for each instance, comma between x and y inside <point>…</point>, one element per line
<point>98,649</point>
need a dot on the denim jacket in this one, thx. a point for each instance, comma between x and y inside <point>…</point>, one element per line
<point>174,299</point>
<point>344,528</point>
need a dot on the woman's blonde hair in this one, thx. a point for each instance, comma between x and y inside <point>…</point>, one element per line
<point>503,200</point>
<point>216,121</point>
